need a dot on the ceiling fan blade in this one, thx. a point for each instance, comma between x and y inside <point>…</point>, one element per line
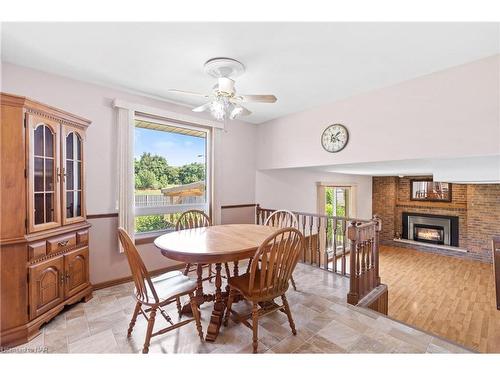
<point>202,108</point>
<point>257,98</point>
<point>188,93</point>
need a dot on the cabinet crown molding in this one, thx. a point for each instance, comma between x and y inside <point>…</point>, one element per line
<point>44,110</point>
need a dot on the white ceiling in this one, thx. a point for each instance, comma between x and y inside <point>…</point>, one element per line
<point>303,64</point>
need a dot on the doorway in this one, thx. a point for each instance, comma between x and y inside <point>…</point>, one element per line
<point>337,201</point>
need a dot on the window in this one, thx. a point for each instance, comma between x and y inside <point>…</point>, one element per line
<point>170,172</point>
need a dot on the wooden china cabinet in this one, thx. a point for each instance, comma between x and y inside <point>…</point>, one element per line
<point>44,235</point>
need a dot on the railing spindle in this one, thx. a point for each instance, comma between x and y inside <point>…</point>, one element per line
<point>304,233</point>
<point>317,257</point>
<point>343,266</point>
<point>311,221</point>
<point>334,239</point>
<point>325,255</point>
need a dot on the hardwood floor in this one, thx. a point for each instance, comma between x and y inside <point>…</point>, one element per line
<point>449,297</point>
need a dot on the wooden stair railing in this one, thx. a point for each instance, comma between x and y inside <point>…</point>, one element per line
<point>496,267</point>
<point>348,247</point>
<point>365,288</point>
<point>326,244</point>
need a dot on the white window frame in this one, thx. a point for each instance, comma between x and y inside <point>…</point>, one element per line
<point>172,209</point>
<point>125,119</point>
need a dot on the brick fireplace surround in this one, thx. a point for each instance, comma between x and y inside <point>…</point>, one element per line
<point>476,205</point>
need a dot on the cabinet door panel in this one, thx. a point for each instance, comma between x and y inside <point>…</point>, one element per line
<point>46,287</point>
<point>73,151</point>
<point>42,154</point>
<point>76,264</point>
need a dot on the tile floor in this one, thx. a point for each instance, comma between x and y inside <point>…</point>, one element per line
<point>325,324</point>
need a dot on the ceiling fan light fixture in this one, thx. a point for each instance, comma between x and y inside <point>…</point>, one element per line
<point>223,102</point>
<point>225,86</point>
<point>220,107</point>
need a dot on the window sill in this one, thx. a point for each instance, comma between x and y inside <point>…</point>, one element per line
<point>149,237</point>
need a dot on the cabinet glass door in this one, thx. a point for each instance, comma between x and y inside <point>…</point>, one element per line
<point>43,174</point>
<point>72,176</point>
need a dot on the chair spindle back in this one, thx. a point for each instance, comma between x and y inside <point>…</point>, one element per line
<point>278,256</point>
<point>192,219</point>
<point>282,219</point>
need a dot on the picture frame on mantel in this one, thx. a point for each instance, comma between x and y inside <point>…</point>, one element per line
<point>428,190</point>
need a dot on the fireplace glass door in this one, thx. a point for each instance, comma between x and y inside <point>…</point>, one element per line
<point>429,233</point>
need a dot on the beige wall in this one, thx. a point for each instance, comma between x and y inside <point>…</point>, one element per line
<point>423,118</point>
<point>236,178</point>
<point>106,262</point>
<point>296,189</point>
<point>238,215</point>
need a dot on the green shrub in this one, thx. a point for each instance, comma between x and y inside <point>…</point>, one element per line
<point>151,223</point>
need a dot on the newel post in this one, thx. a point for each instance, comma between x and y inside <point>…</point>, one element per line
<point>352,234</point>
<point>378,228</point>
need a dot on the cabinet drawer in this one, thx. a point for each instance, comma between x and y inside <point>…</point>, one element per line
<point>82,237</point>
<point>37,250</point>
<point>60,243</point>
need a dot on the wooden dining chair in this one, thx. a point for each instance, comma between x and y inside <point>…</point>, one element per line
<point>156,293</point>
<point>189,220</point>
<point>270,271</point>
<point>283,219</point>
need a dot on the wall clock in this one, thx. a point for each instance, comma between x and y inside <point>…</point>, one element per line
<point>334,138</point>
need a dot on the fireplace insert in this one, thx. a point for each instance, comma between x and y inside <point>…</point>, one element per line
<point>434,229</point>
<point>428,233</point>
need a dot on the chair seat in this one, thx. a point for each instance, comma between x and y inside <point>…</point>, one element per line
<point>170,285</point>
<point>166,275</point>
<point>241,283</point>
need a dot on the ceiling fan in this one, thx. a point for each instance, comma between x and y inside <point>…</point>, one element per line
<point>223,102</point>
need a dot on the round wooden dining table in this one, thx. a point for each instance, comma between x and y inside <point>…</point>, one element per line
<point>219,244</point>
